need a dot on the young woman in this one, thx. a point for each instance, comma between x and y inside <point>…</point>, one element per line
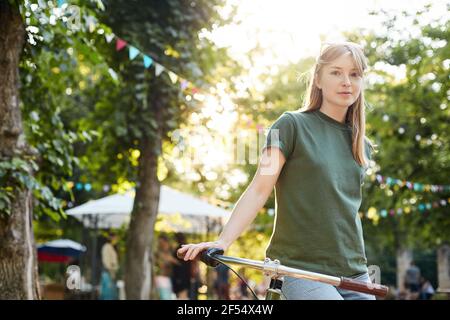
<point>316,160</point>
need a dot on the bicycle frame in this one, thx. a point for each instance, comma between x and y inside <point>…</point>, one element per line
<point>274,290</point>
<point>276,271</point>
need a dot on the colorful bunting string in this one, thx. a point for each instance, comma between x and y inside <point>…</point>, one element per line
<point>374,214</point>
<point>391,182</point>
<point>79,186</point>
<point>148,62</point>
<point>133,52</point>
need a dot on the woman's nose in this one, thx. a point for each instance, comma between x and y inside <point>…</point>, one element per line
<point>346,81</point>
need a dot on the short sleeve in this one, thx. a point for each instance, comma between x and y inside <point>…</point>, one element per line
<point>368,149</point>
<point>282,135</point>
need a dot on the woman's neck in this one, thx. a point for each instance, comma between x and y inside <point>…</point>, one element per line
<point>337,113</point>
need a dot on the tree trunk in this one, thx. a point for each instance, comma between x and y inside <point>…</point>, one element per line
<point>404,258</point>
<point>443,263</point>
<point>138,262</point>
<point>404,254</point>
<point>18,268</point>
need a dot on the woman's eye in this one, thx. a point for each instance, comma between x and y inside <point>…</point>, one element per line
<point>355,75</point>
<point>335,72</point>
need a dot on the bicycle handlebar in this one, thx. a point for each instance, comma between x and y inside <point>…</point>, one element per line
<point>213,256</point>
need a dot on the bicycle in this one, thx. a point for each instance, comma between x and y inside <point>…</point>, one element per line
<point>276,271</point>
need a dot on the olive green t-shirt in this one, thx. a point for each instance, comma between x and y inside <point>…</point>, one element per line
<point>317,196</point>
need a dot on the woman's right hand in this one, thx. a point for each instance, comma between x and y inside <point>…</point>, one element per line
<point>191,250</point>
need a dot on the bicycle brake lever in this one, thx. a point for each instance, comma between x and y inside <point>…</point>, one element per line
<point>207,256</point>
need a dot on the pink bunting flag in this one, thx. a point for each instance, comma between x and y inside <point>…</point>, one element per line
<point>120,44</point>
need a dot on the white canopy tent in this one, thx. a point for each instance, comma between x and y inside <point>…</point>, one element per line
<point>177,211</point>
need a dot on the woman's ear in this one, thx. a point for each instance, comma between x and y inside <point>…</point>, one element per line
<point>317,81</point>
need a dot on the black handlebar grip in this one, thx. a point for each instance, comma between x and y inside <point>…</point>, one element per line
<point>206,256</point>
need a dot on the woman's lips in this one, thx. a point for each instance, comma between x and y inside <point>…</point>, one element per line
<point>345,94</point>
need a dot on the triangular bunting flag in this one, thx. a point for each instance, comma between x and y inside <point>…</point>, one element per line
<point>158,69</point>
<point>133,52</point>
<point>184,84</point>
<point>173,77</point>
<point>113,74</point>
<point>194,90</point>
<point>61,2</point>
<point>90,23</point>
<point>109,37</point>
<point>120,44</point>
<point>147,61</point>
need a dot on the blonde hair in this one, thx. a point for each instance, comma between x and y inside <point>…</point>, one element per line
<point>355,116</point>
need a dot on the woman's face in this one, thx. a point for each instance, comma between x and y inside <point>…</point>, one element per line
<point>340,81</point>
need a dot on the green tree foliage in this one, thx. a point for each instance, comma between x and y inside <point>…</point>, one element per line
<point>56,59</point>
